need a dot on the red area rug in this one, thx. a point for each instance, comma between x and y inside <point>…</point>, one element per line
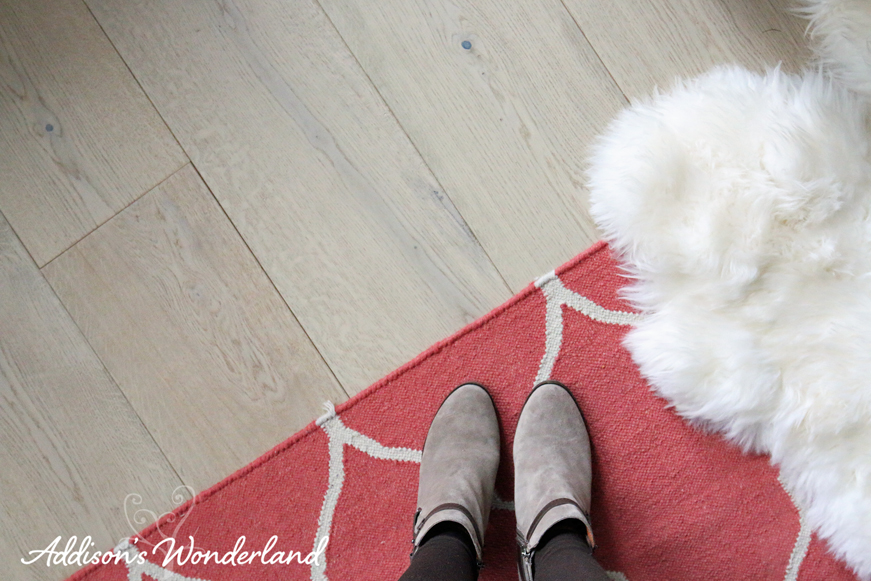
<point>668,502</point>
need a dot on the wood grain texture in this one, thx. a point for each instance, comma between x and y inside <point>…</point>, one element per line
<point>504,124</point>
<point>320,180</point>
<point>648,43</point>
<point>71,446</point>
<point>78,138</point>
<point>193,331</point>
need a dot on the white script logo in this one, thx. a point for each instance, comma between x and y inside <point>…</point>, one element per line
<point>181,555</point>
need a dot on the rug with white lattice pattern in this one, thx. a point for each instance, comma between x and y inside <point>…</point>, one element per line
<point>669,502</point>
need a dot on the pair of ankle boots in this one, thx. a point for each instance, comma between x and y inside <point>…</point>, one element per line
<point>552,469</point>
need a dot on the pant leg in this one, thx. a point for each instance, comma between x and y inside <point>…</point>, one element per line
<point>446,554</point>
<point>565,556</point>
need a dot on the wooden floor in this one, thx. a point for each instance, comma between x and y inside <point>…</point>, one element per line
<point>217,215</point>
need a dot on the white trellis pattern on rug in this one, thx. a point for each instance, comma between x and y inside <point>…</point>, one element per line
<point>556,296</point>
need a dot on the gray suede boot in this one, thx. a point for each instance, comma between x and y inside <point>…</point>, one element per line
<point>458,467</point>
<point>552,469</point>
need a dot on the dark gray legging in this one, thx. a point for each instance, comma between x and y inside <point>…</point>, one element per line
<point>447,554</point>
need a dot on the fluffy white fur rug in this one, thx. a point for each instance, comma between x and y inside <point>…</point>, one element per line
<point>741,206</point>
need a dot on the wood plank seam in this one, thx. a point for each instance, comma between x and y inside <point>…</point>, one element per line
<point>158,184</point>
<point>271,282</point>
<point>595,51</point>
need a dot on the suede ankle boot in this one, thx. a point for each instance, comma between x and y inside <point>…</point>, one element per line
<point>458,466</point>
<point>552,469</point>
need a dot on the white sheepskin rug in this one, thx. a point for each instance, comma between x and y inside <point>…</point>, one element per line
<point>740,205</point>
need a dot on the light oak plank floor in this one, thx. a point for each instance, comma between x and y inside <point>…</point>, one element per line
<point>78,138</point>
<point>71,446</point>
<point>357,235</point>
<point>247,207</point>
